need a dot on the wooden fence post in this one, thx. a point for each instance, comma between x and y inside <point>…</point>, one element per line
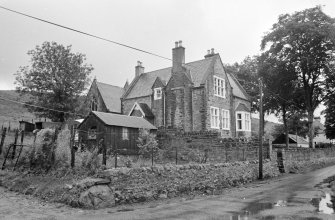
<point>104,149</point>
<point>15,143</point>
<point>73,153</point>
<point>115,160</point>
<point>270,148</point>
<point>3,136</point>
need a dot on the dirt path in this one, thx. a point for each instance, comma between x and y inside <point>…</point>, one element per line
<point>292,193</point>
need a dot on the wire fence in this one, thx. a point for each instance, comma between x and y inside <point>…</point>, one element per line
<point>128,148</point>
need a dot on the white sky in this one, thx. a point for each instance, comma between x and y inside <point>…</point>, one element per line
<point>234,28</point>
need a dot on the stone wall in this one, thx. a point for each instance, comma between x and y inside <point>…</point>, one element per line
<point>291,160</point>
<point>209,147</point>
<point>198,109</point>
<point>218,102</point>
<point>149,183</point>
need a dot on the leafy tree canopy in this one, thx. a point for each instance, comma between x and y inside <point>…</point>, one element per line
<point>305,40</point>
<point>55,78</point>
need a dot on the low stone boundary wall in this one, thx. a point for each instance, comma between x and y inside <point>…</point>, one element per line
<point>131,185</point>
<point>293,159</point>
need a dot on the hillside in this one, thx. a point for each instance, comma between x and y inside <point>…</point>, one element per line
<point>11,112</point>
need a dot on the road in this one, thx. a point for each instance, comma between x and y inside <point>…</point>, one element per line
<point>286,197</point>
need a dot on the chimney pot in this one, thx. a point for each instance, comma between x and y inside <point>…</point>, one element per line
<point>139,63</point>
<point>180,43</point>
<point>208,52</point>
<point>212,51</point>
<point>178,58</point>
<point>176,44</point>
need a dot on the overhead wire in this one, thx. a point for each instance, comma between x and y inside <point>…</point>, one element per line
<point>42,107</point>
<point>85,33</point>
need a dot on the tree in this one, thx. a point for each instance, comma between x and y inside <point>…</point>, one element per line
<point>306,40</point>
<point>296,124</point>
<point>56,78</point>
<point>283,97</point>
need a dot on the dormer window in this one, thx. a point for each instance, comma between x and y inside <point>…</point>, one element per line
<point>157,93</point>
<point>219,87</point>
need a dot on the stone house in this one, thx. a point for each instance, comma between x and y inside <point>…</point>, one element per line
<point>194,96</point>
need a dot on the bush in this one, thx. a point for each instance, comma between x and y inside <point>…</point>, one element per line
<point>148,144</point>
<point>89,160</point>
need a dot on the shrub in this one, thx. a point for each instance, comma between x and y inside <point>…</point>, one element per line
<point>147,144</point>
<point>89,160</point>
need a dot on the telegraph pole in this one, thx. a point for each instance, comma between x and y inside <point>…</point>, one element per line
<point>261,124</point>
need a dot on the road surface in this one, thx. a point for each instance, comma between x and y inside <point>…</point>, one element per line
<point>287,197</point>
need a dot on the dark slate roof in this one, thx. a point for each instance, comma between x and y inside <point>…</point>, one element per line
<point>142,86</point>
<point>300,139</point>
<point>292,139</point>
<point>111,96</point>
<point>198,71</point>
<point>147,111</point>
<point>242,107</point>
<point>238,90</point>
<point>123,120</point>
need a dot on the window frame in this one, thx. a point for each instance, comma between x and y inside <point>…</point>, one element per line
<point>219,87</point>
<point>215,118</point>
<point>156,97</point>
<point>245,121</point>
<point>225,120</point>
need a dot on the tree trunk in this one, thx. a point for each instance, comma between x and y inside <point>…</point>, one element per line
<point>285,128</point>
<point>311,128</point>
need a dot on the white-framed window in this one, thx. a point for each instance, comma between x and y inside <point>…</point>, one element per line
<point>125,133</point>
<point>247,122</point>
<point>225,119</point>
<point>243,121</point>
<point>157,93</point>
<point>215,120</point>
<point>219,87</point>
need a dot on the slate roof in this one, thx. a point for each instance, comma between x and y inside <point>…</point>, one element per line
<point>292,139</point>
<point>123,120</point>
<point>300,139</point>
<point>111,96</point>
<point>147,111</point>
<point>238,90</point>
<point>198,71</point>
<point>142,86</point>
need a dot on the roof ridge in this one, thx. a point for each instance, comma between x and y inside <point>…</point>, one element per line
<point>114,114</point>
<point>109,84</point>
<point>184,64</point>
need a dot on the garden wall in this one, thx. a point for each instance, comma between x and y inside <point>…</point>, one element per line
<point>211,147</point>
<point>295,159</point>
<point>131,185</point>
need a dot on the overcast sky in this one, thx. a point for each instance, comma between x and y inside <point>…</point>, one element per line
<point>233,28</point>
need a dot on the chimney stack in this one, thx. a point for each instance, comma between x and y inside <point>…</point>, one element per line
<point>210,53</point>
<point>178,57</point>
<point>139,69</point>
